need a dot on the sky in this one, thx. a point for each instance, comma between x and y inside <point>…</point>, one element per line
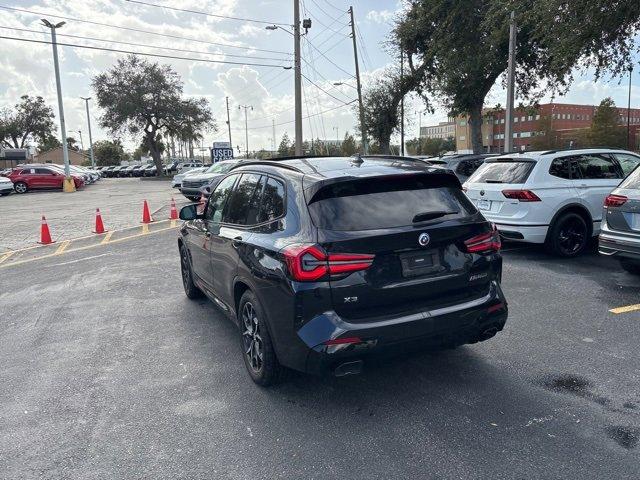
<point>267,89</point>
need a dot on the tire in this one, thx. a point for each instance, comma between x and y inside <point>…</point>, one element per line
<point>21,187</point>
<point>190,288</point>
<point>569,236</point>
<point>630,266</point>
<point>257,347</point>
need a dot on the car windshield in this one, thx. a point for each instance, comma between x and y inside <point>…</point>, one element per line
<point>220,167</point>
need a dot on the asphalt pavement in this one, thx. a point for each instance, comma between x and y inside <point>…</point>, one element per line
<point>109,371</point>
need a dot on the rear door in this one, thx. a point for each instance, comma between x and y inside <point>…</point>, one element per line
<point>598,175</point>
<point>414,226</point>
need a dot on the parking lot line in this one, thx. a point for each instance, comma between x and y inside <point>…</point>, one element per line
<point>145,228</point>
<point>63,246</point>
<point>6,256</point>
<point>106,238</point>
<point>626,309</point>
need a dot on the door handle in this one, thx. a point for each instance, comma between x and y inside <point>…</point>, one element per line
<point>236,242</point>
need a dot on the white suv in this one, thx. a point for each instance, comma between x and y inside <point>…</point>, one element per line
<point>553,197</point>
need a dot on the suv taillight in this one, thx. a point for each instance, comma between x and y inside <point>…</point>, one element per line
<point>521,195</point>
<point>307,263</point>
<point>615,200</point>
<point>488,242</point>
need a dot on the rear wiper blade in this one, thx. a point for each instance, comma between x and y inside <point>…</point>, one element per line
<point>421,217</point>
<point>494,181</point>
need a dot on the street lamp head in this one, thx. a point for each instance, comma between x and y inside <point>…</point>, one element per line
<point>337,84</point>
<point>47,23</point>
<point>287,68</point>
<point>86,98</point>
<point>58,25</point>
<point>271,27</point>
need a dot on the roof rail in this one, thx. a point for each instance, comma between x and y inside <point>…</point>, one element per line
<point>267,162</point>
<point>597,147</point>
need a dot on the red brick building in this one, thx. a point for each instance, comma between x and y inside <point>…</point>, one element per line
<point>568,121</point>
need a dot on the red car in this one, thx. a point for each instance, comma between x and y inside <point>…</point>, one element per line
<point>32,178</point>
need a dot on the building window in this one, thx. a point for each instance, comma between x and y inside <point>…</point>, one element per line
<point>463,123</point>
<point>538,117</point>
<point>462,137</point>
<point>515,120</point>
<point>522,119</point>
<point>502,120</point>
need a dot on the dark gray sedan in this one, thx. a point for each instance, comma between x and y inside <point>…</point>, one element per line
<point>192,184</point>
<point>620,234</point>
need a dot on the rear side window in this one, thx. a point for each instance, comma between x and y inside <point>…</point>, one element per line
<point>561,168</point>
<point>594,167</point>
<point>219,199</point>
<point>272,201</point>
<point>467,167</point>
<point>238,206</point>
<point>370,205</point>
<point>503,171</point>
<point>633,180</point>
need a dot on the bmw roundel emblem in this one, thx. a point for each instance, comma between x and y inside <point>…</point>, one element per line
<point>424,239</point>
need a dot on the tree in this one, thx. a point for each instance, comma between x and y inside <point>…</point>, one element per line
<point>108,152</point>
<point>284,149</point>
<point>48,143</point>
<point>72,144</point>
<point>31,119</point>
<point>349,146</point>
<point>606,130</point>
<point>429,146</point>
<point>145,98</point>
<point>381,110</point>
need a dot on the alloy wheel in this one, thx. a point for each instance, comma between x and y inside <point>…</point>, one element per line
<point>186,269</point>
<point>20,187</point>
<point>572,236</point>
<point>251,338</point>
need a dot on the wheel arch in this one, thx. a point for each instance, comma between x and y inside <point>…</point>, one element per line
<point>573,208</point>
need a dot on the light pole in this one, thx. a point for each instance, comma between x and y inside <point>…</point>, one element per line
<point>68,184</point>
<point>511,78</point>
<point>93,160</point>
<point>629,111</point>
<point>246,127</point>
<point>81,142</point>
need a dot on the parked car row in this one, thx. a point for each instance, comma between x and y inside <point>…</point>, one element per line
<point>194,183</point>
<point>128,171</point>
<point>40,176</point>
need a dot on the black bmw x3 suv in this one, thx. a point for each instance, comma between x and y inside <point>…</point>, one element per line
<point>325,262</point>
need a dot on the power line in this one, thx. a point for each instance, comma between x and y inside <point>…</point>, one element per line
<point>322,89</point>
<point>304,118</point>
<point>147,45</point>
<point>197,12</point>
<point>142,53</point>
<point>335,19</point>
<point>329,60</point>
<point>148,32</point>
<point>333,6</point>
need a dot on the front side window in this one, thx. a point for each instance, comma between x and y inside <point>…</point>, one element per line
<point>219,198</point>
<point>597,167</point>
<point>627,162</point>
<point>238,206</point>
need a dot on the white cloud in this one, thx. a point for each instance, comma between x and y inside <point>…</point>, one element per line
<point>380,16</point>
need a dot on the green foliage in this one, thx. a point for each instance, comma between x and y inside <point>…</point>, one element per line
<point>381,103</point>
<point>349,146</point>
<point>430,146</point>
<point>48,143</point>
<point>31,119</point>
<point>146,99</point>
<point>108,152</point>
<point>72,144</point>
<point>546,137</point>
<point>285,148</point>
<point>606,130</point>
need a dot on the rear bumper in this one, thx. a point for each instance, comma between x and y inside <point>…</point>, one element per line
<point>522,233</point>
<point>617,244</point>
<point>467,322</point>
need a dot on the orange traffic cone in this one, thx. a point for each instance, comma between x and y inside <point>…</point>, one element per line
<point>146,216</point>
<point>45,235</point>
<point>99,225</point>
<point>173,215</point>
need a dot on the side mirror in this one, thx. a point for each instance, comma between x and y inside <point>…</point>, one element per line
<point>189,212</point>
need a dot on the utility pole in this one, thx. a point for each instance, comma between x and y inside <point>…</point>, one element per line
<point>629,111</point>
<point>298,76</point>
<point>246,127</point>
<point>511,71</point>
<point>68,184</point>
<point>81,142</point>
<point>93,160</point>
<point>273,126</point>
<point>401,103</point>
<point>365,146</point>
<point>229,123</point>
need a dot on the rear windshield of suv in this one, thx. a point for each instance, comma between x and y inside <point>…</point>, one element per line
<point>633,180</point>
<point>503,171</point>
<point>374,204</point>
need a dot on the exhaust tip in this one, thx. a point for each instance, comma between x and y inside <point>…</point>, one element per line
<point>348,368</point>
<point>487,334</point>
